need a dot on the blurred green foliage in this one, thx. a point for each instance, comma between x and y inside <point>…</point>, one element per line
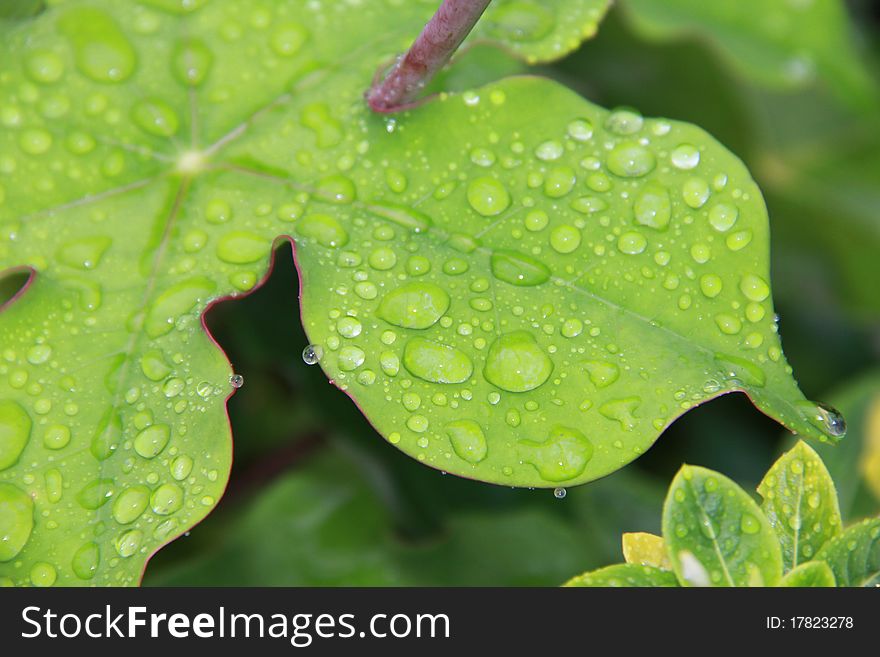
<point>316,497</point>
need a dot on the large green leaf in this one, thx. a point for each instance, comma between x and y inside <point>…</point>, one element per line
<point>854,555</point>
<point>512,293</point>
<point>625,574</point>
<point>716,534</point>
<point>783,43</point>
<point>801,504</point>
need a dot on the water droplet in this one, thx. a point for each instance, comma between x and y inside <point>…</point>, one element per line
<point>191,62</point>
<point>84,253</point>
<point>749,524</point>
<point>166,499</point>
<point>236,381</point>
<point>436,362</point>
<point>43,574</point>
<point>241,247</point>
<point>588,205</point>
<point>44,66</point>
<point>16,520</point>
<point>155,117</point>
<point>414,305</point>
<point>630,160</point>
<point>602,374</point>
<point>488,196</point>
<point>153,365</point>
<point>695,192</point>
<point>565,239</point>
<point>288,38</point>
<point>54,485</point>
<point>418,424</point>
<point>549,151</point>
<point>56,436</point>
<point>382,258</point>
<point>130,504</point>
<point>520,21</point>
<point>621,410</point>
<point>711,285</point>
<point>102,51</point>
<point>536,220</point>
<point>632,243</point>
<point>152,440</point>
<point>559,493</point>
<point>516,363</point>
<point>312,354</point>
<point>324,229</point>
<point>337,189</point>
<point>572,328</point>
<point>830,420</point>
<point>350,358</point>
<point>580,130</point>
<point>15,431</point>
<point>722,216</point>
<point>518,269</point>
<point>218,211</point>
<point>39,354</point>
<point>739,240</point>
<point>468,440</point>
<point>624,122</point>
<point>754,287</point>
<point>728,323</point>
<point>561,456</point>
<point>95,494</point>
<point>85,560</point>
<point>685,157</point>
<point>559,182</point>
<point>181,467</point>
<point>128,542</point>
<point>653,207</point>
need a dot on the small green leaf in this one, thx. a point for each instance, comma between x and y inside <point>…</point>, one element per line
<point>801,504</point>
<point>716,534</point>
<point>645,549</point>
<point>854,555</point>
<point>625,574</point>
<point>540,31</point>
<point>809,574</point>
<point>776,42</point>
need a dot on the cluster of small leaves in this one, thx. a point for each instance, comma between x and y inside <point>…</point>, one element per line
<point>715,534</point>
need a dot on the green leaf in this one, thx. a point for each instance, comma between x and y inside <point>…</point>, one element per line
<point>716,534</point>
<point>645,549</point>
<point>854,555</point>
<point>514,284</point>
<point>810,573</point>
<point>624,574</point>
<point>540,31</point>
<point>801,504</point>
<point>776,42</point>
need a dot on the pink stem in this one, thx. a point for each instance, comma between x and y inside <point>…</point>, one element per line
<point>428,54</point>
